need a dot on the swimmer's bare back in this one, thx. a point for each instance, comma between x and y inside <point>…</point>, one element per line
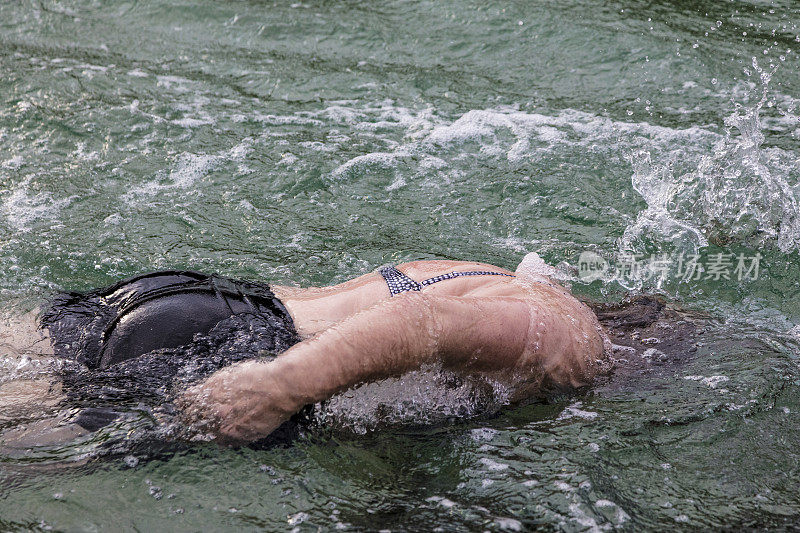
<point>521,328</point>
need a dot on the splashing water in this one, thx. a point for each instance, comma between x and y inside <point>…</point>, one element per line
<point>426,396</point>
<point>740,193</point>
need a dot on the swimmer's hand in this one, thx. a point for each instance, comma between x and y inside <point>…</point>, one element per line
<point>238,404</point>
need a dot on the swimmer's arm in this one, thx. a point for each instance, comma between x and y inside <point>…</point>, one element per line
<point>250,400</point>
<point>549,339</point>
<point>402,334</point>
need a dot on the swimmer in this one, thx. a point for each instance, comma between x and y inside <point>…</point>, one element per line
<point>473,318</point>
<point>521,328</point>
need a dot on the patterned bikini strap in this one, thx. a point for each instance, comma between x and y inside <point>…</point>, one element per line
<point>399,282</point>
<point>452,275</point>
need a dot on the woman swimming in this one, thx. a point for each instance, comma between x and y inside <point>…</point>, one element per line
<point>469,317</point>
<point>472,318</point>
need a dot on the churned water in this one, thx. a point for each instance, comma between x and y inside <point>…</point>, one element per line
<point>311,142</point>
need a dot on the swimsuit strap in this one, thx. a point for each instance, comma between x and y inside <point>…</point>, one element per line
<point>452,275</point>
<point>399,282</point>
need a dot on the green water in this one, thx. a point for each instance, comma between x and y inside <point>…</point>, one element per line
<point>308,143</point>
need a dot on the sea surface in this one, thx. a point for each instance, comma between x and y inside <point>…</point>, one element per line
<point>307,143</point>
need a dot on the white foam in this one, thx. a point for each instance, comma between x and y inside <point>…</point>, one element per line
<point>472,126</point>
<point>188,169</point>
<point>175,83</point>
<point>277,120</point>
<point>493,465</point>
<point>620,516</point>
<point>196,115</point>
<point>711,381</point>
<point>652,353</point>
<point>418,144</point>
<point>317,146</point>
<point>366,163</point>
<point>496,133</point>
<point>483,434</point>
<point>563,486</point>
<point>574,411</point>
<point>534,267</point>
<point>580,517</point>
<point>113,219</point>
<point>423,396</point>
<point>396,184</point>
<point>81,153</point>
<point>192,122</point>
<point>288,159</point>
<point>241,150</point>
<point>510,524</point>
<point>13,163</point>
<point>22,208</point>
<point>380,115</point>
<point>444,502</point>
<point>95,68</point>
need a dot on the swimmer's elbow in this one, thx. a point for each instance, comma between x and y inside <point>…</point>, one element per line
<point>577,363</point>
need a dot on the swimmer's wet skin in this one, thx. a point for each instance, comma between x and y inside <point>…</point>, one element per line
<point>140,336</point>
<point>475,318</point>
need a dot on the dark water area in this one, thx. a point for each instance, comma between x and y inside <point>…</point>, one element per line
<point>306,143</point>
